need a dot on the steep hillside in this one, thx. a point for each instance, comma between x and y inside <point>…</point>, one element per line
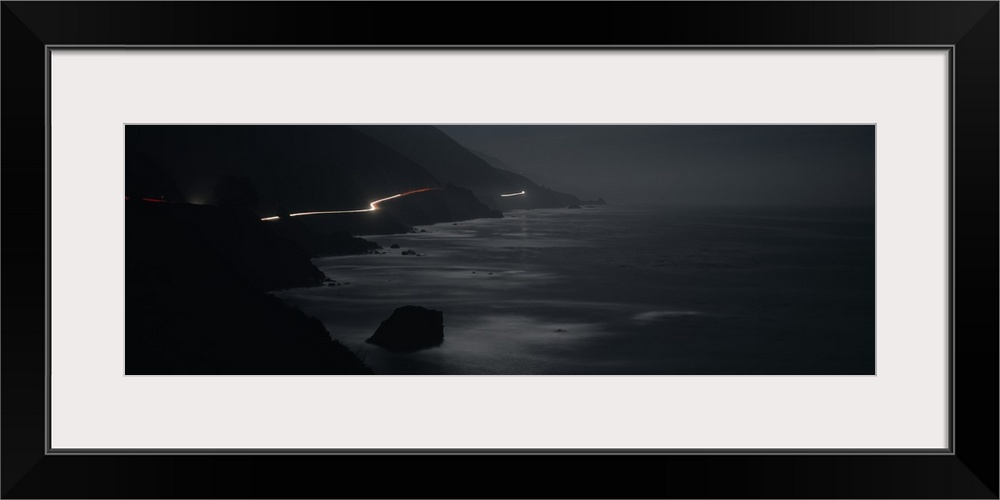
<point>561,199</point>
<point>282,169</point>
<point>292,167</point>
<point>450,162</point>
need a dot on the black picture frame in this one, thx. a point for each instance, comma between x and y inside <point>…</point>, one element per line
<point>969,28</point>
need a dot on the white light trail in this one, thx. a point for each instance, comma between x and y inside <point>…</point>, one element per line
<point>512,194</point>
<point>373,206</point>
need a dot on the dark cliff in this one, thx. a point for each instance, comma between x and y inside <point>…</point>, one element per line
<point>195,303</point>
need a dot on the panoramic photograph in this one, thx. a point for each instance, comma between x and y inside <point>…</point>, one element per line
<point>500,249</point>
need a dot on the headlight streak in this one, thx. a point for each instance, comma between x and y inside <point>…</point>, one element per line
<point>373,206</point>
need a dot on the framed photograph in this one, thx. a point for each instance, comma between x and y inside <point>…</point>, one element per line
<point>284,239</point>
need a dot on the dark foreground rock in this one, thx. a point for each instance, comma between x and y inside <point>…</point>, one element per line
<point>265,259</point>
<point>319,240</point>
<point>410,328</point>
<point>194,303</point>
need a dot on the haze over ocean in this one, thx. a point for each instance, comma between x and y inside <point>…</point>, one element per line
<point>546,249</point>
<point>644,289</point>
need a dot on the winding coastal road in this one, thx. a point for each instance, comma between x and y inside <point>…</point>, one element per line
<point>373,206</point>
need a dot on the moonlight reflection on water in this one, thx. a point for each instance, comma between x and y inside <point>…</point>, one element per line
<point>612,290</point>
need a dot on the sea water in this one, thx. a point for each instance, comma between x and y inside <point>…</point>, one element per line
<point>619,290</point>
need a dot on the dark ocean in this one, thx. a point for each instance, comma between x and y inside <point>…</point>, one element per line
<point>619,290</point>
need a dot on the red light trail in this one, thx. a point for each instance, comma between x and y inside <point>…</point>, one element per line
<point>154,200</point>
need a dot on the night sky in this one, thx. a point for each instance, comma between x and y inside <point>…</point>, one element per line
<point>799,165</point>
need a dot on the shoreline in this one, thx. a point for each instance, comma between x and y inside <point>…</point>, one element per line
<point>554,289</point>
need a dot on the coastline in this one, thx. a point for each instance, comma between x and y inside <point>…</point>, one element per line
<point>697,295</point>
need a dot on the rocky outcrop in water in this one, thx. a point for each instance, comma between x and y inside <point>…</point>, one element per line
<point>410,328</point>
